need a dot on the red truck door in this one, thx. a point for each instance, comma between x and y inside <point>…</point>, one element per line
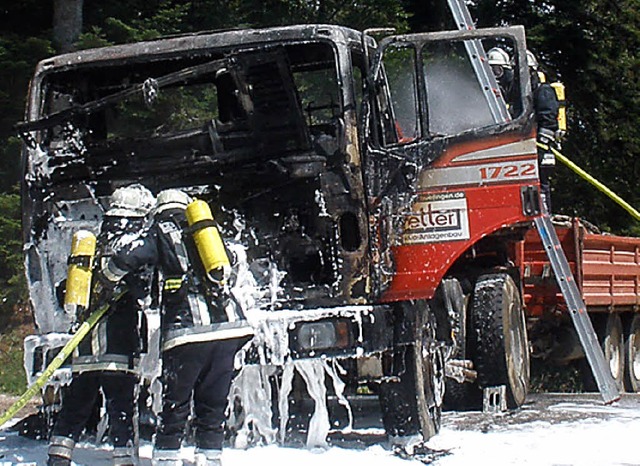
<point>444,169</point>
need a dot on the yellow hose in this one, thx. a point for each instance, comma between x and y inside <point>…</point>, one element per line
<point>64,353</point>
<point>583,174</point>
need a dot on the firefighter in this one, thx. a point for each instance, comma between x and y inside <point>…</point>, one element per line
<point>200,330</point>
<point>546,107</point>
<point>107,359</point>
<point>502,68</point>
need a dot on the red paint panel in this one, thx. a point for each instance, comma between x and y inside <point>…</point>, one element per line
<point>420,267</point>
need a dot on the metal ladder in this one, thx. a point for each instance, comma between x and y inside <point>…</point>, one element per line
<point>480,63</point>
<point>577,309</point>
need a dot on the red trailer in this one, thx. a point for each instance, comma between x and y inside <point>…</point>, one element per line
<point>607,271</point>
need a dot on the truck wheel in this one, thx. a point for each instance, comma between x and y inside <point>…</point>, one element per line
<point>613,348</point>
<point>411,400</point>
<point>633,355</point>
<point>501,344</point>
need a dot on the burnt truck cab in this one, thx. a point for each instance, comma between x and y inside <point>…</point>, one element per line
<point>363,186</point>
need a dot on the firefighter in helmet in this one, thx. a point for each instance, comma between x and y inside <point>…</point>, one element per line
<point>200,330</point>
<point>546,107</point>
<point>107,359</point>
<point>502,68</point>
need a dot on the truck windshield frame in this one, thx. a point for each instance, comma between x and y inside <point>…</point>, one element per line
<point>433,74</point>
<point>310,100</point>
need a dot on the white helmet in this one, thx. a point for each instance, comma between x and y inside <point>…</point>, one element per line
<point>130,201</point>
<point>532,61</point>
<point>172,199</point>
<point>497,56</point>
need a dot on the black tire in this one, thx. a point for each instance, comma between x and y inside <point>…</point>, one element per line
<point>613,348</point>
<point>412,401</point>
<point>632,351</point>
<point>499,331</point>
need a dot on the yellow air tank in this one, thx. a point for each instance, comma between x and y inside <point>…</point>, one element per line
<point>207,238</point>
<point>80,264</point>
<point>562,113</point>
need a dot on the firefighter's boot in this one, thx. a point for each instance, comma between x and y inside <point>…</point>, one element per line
<point>60,451</point>
<point>170,457</point>
<point>125,456</point>
<point>208,457</point>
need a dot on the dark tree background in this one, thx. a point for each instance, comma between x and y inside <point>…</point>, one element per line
<point>590,45</point>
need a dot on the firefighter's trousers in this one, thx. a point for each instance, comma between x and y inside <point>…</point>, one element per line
<point>203,371</point>
<point>77,406</point>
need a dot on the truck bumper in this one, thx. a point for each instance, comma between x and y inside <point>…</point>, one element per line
<point>340,332</point>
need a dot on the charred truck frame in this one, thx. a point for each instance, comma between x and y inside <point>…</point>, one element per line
<point>376,196</point>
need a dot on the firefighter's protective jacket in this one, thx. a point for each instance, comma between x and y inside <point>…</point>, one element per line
<point>115,342</point>
<point>545,104</point>
<point>193,308</point>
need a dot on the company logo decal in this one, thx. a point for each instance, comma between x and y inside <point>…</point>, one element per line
<point>437,217</point>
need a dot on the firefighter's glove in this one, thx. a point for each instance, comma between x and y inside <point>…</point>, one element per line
<point>75,326</point>
<point>105,283</point>
<point>546,142</point>
<point>101,292</point>
<point>548,160</point>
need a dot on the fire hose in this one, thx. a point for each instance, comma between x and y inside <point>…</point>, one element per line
<point>600,186</point>
<point>60,358</point>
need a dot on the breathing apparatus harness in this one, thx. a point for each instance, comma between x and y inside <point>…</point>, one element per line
<point>201,255</point>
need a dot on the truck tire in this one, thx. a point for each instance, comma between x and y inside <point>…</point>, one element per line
<point>499,331</point>
<point>411,400</point>
<point>613,348</point>
<point>632,351</point>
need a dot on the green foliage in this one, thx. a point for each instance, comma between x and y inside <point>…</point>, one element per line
<point>92,39</point>
<point>12,376</point>
<point>176,109</point>
<point>117,24</point>
<point>13,325</point>
<point>12,279</point>
<point>18,57</point>
<point>592,47</point>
